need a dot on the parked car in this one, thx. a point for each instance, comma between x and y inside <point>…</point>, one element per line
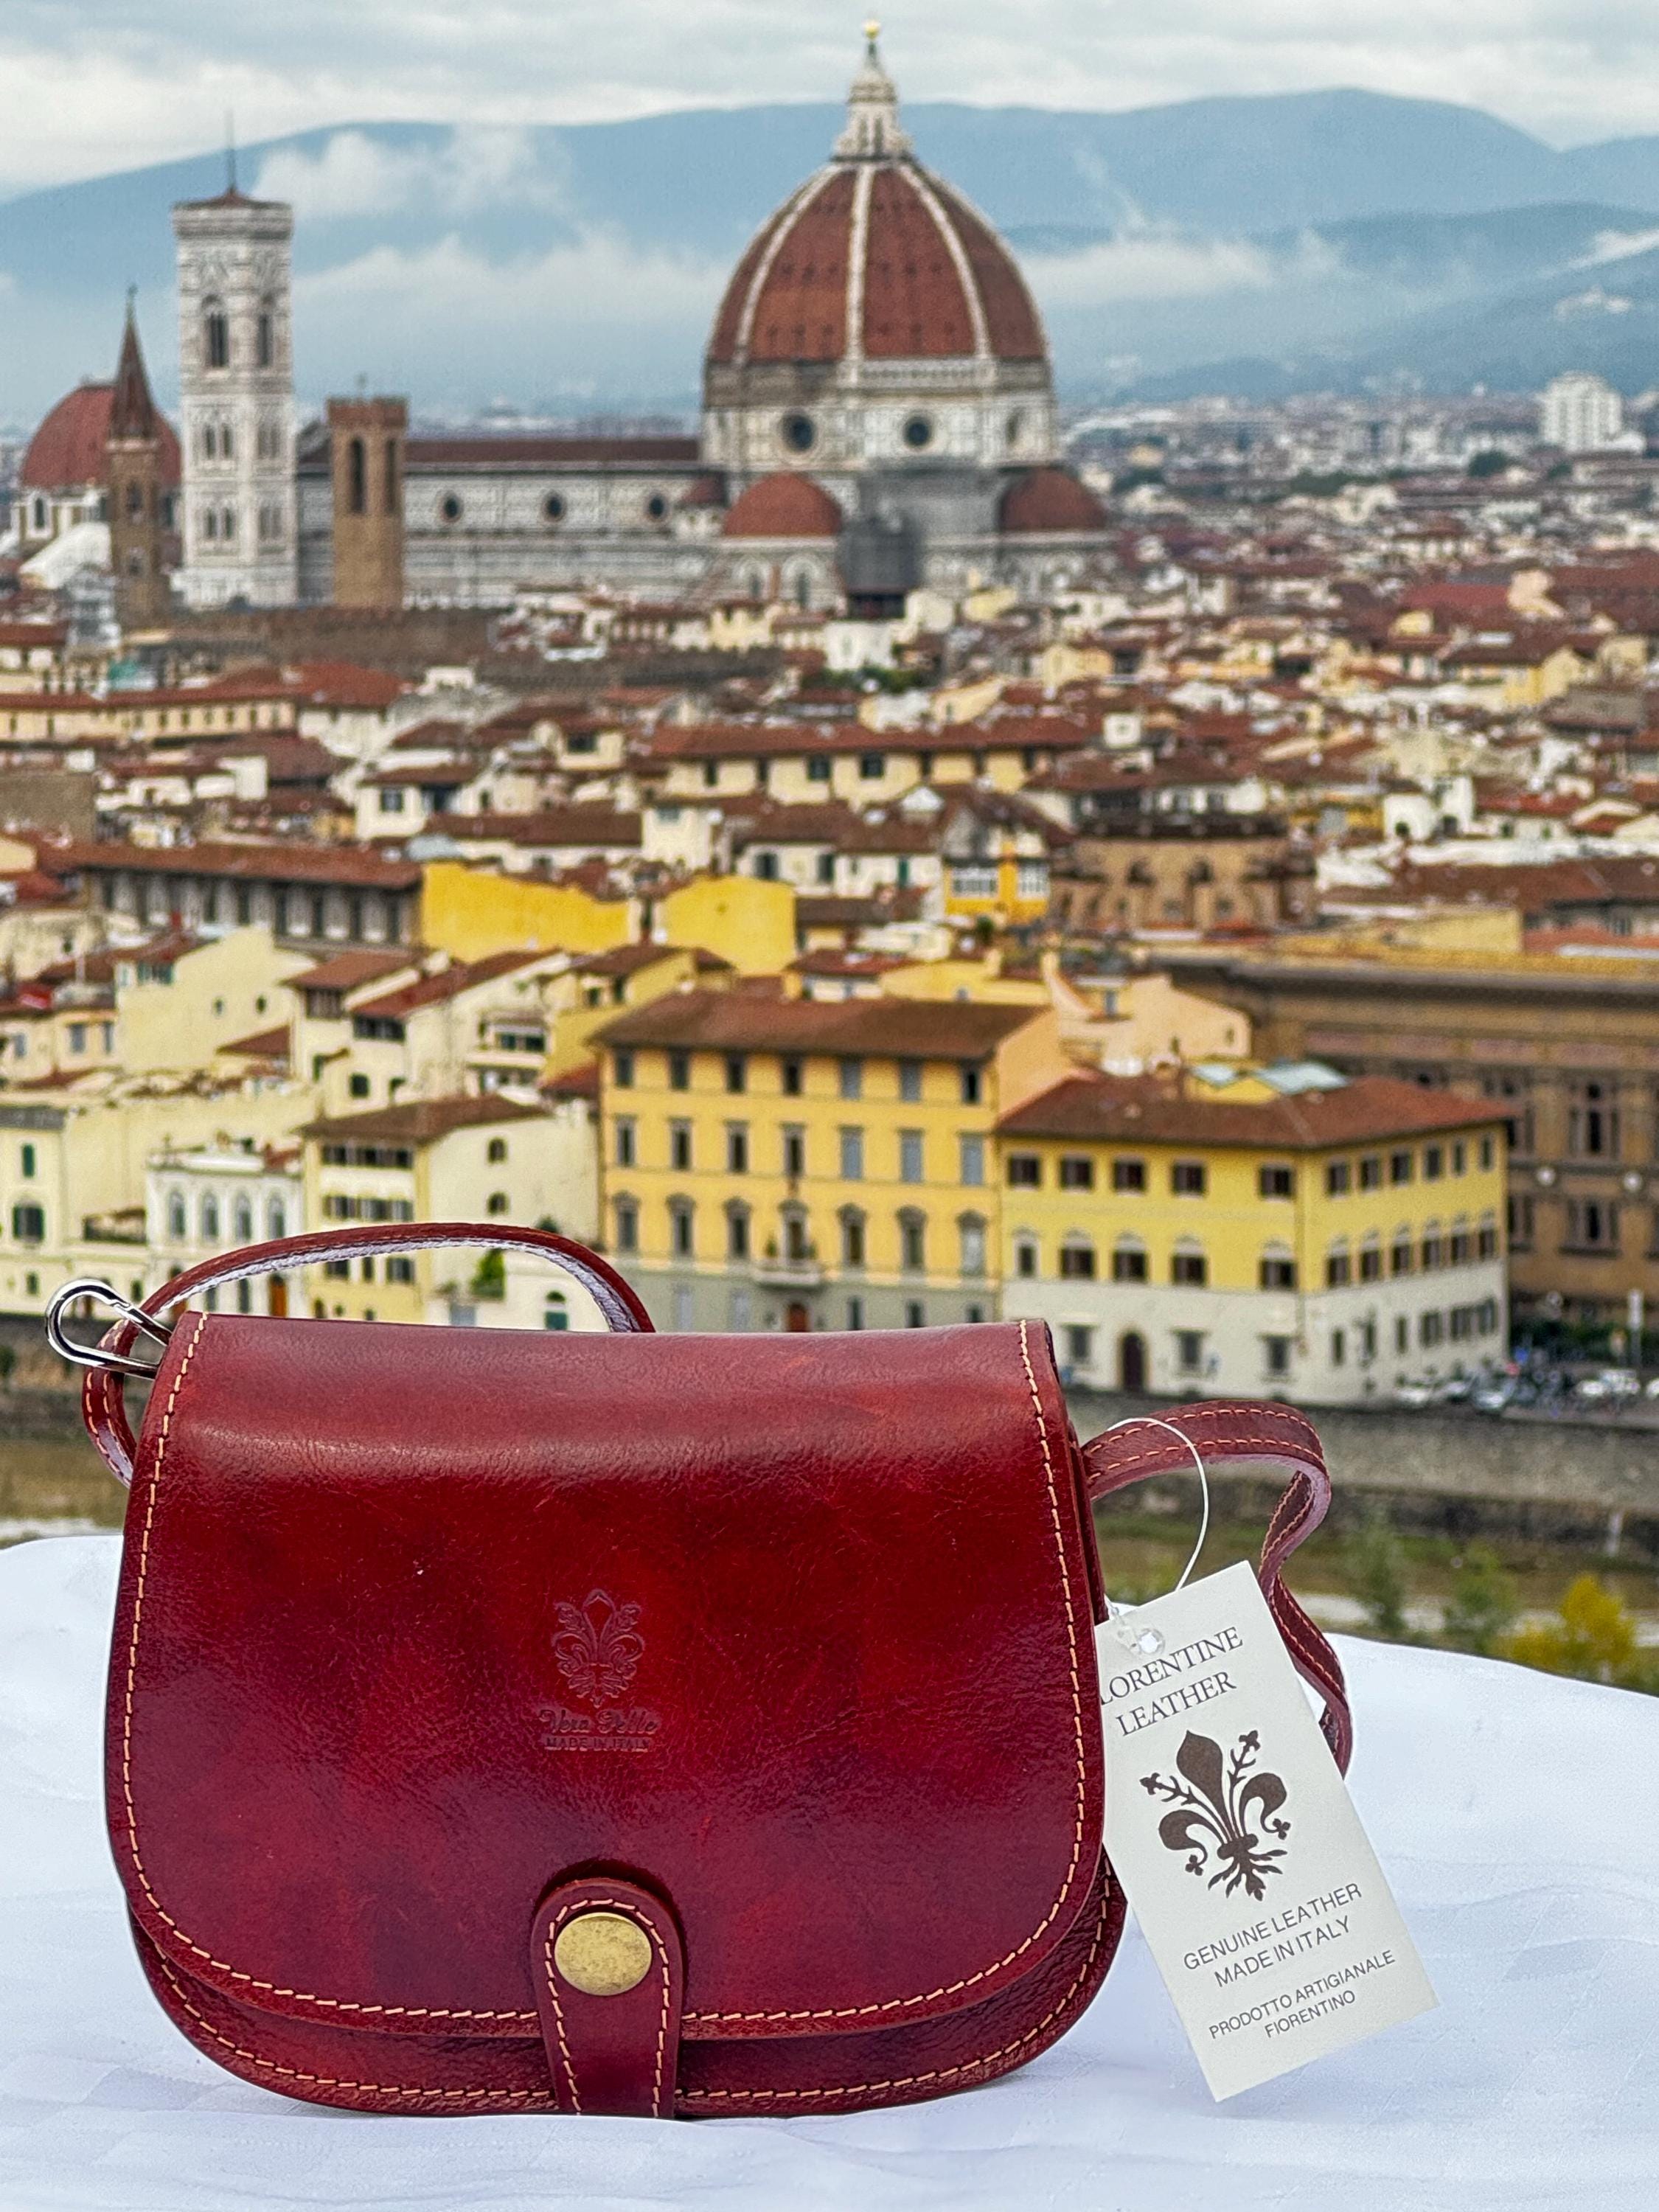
<point>1613,1386</point>
<point>1503,1390</point>
<point>1415,1392</point>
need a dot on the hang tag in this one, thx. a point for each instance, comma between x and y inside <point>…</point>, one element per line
<point>1233,1835</point>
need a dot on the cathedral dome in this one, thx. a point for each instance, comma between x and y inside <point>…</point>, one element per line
<point>783,506</point>
<point>1049,502</point>
<point>67,451</point>
<point>875,318</point>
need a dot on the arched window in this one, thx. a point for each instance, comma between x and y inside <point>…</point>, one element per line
<point>802,588</point>
<point>39,514</point>
<point>1188,1263</point>
<point>497,1204</point>
<point>357,477</point>
<point>216,335</point>
<point>1128,1261</point>
<point>135,502</point>
<point>556,1313</point>
<point>265,340</point>
<point>226,442</point>
<point>497,1152</point>
<point>797,1237</point>
<point>1027,1256</point>
<point>178,1220</point>
<point>242,1217</point>
<point>209,1219</point>
<point>970,1228</point>
<point>210,523</point>
<point>626,1213</point>
<point>682,1216</point>
<point>276,1218</point>
<point>228,525</point>
<point>1338,1266</point>
<point>852,1236</point>
<point>1077,1258</point>
<point>1277,1271</point>
<point>737,1229</point>
<point>389,476</point>
<point>912,1240</point>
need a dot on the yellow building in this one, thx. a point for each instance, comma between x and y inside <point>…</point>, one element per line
<point>801,1164</point>
<point>1269,1233</point>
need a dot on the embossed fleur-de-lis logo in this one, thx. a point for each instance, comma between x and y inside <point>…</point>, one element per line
<point>598,1647</point>
<point>1224,1811</point>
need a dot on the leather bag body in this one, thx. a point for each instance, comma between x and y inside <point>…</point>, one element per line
<point>665,1724</point>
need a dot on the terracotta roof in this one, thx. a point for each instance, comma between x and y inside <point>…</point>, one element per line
<point>909,1029</point>
<point>260,863</point>
<point>349,971</point>
<point>553,826</point>
<point>67,451</point>
<point>580,1082</point>
<point>343,683</point>
<point>420,1120</point>
<point>1047,502</point>
<point>784,505</point>
<point>264,1044</point>
<point>1370,1111</point>
<point>935,276</point>
<point>448,983</point>
<point>629,959</point>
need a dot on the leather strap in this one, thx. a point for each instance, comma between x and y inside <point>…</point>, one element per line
<point>1232,1432</point>
<point>103,1395</point>
<point>612,2044</point>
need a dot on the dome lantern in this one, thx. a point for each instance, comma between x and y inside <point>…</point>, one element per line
<point>873,132</point>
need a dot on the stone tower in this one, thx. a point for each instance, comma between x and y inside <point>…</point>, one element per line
<point>366,446</point>
<point>136,499</point>
<point>236,395</point>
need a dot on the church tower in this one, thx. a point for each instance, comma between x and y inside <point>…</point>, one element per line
<point>366,439</point>
<point>236,395</point>
<point>136,499</point>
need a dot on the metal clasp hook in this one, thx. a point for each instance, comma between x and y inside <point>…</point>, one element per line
<point>93,1355</point>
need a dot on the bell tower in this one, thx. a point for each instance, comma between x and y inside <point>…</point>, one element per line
<point>366,438</point>
<point>236,395</point>
<point>132,477</point>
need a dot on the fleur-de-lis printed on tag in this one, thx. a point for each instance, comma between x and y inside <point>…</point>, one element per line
<point>598,1648</point>
<point>1225,1811</point>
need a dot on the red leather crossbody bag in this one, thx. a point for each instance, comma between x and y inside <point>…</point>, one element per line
<point>627,1723</point>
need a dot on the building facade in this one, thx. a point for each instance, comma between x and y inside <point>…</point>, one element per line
<point>236,401</point>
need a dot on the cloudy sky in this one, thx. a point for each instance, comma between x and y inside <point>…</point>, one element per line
<point>91,85</point>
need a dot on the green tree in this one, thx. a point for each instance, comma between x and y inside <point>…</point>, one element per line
<point>490,1280</point>
<point>1490,461</point>
<point>1375,1559</point>
<point>1482,1604</point>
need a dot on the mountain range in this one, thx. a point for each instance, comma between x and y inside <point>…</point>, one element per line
<point>1262,244</point>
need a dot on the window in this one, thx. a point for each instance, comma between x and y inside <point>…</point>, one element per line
<point>909,1077</point>
<point>679,1145</point>
<point>852,1155</point>
<point>178,1226</point>
<point>1275,1180</point>
<point>1128,1175</point>
<point>1079,1346</point>
<point>1338,1347</point>
<point>1460,1157</point>
<point>495,1152</point>
<point>919,432</point>
<point>626,1141</point>
<point>850,1078</point>
<point>1188,1265</point>
<point>1031,879</point>
<point>1400,1167</point>
<point>681,1215</point>
<point>276,1218</point>
<point>626,1215</point>
<point>852,1238</point>
<point>973,879</point>
<point>737,1072</point>
<point>915,1313</point>
<point>1434,1162</point>
<point>28,1224</point>
<point>789,1076</point>
<point>971,1230</point>
<point>497,1204</point>
<point>1514,1092</point>
<point>622,1070</point>
<point>1077,1261</point>
<point>817,769</point>
<point>913,1242</point>
<point>737,1148</point>
<point>264,334</point>
<point>1486,1153</point>
<point>1025,1171</point>
<point>855,1312</point>
<point>1593,1122</point>
<point>1431,1328</point>
<point>77,1036</point>
<point>910,1162</point>
<point>1025,1256</point>
<point>972,1162</point>
<point>1187,1178</point>
<point>210,1216</point>
<point>1520,1214</point>
<point>737,1231</point>
<point>1077,1171</point>
<point>1485,1237</point>
<point>1338,1178</point>
<point>216,335</point>
<point>26,1163</point>
<point>1592,1225</point>
<point>392,799</point>
<point>794,1150</point>
<point>242,1220</point>
<point>873,767</point>
<point>449,508</point>
<point>1370,1172</point>
<point>1339,1269</point>
<point>679,1071</point>
<point>1400,1254</point>
<point>1432,1250</point>
<point>356,477</point>
<point>1370,1262</point>
<point>1276,1355</point>
<point>973,1086</point>
<point>1277,1271</point>
<point>1128,1261</point>
<point>1189,1351</point>
<point>401,1269</point>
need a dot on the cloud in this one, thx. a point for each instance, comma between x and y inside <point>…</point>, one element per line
<point>1615,246</point>
<point>1155,265</point>
<point>354,175</point>
<point>599,279</point>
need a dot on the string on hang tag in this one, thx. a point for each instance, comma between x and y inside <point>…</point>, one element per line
<point>1151,1641</point>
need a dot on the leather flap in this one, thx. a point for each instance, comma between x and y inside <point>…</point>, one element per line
<point>416,1622</point>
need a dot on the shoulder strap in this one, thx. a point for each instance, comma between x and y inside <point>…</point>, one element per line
<point>1235,1432</point>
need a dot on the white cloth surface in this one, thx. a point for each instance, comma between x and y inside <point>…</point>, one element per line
<point>1518,1818</point>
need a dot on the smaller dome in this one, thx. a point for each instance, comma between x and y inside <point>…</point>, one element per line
<point>1049,502</point>
<point>783,506</point>
<point>67,451</point>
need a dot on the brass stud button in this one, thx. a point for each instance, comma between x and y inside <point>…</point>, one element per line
<point>602,1955</point>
